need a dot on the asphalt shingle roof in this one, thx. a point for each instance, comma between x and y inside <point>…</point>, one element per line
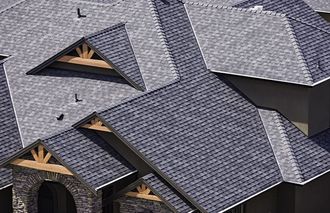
<point>306,157</point>
<point>233,41</point>
<point>311,32</point>
<point>47,28</point>
<point>167,193</point>
<point>92,158</point>
<point>10,137</point>
<point>319,5</point>
<point>114,44</point>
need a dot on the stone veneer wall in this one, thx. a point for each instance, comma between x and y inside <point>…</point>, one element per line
<point>137,205</point>
<point>26,183</point>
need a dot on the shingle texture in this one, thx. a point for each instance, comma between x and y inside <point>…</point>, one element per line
<point>319,5</point>
<point>311,155</point>
<point>167,193</point>
<point>200,134</point>
<point>114,44</point>
<point>95,161</point>
<point>48,27</point>
<point>233,40</point>
<point>311,33</point>
<point>9,134</point>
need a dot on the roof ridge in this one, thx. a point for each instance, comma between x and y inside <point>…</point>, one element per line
<point>163,40</point>
<point>97,3</point>
<point>12,6</point>
<point>279,123</point>
<point>300,56</point>
<point>104,30</point>
<point>246,10</point>
<point>308,24</point>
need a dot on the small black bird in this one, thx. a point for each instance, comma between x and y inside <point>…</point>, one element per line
<point>79,14</point>
<point>59,118</point>
<point>76,98</point>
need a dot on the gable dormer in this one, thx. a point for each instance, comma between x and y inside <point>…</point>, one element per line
<point>106,52</point>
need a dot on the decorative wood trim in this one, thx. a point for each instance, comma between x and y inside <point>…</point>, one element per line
<point>84,61</point>
<point>143,192</point>
<point>96,124</point>
<point>41,166</point>
<point>41,162</point>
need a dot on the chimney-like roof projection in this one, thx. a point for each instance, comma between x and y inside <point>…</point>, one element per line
<point>113,50</point>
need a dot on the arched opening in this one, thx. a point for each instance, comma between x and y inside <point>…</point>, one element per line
<point>55,198</point>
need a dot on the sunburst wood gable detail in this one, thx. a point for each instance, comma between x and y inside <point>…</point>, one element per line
<point>85,54</point>
<point>96,124</point>
<point>144,192</point>
<point>41,162</point>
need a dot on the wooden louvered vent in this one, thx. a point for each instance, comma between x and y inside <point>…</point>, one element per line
<point>84,56</point>
<point>143,192</point>
<point>41,162</point>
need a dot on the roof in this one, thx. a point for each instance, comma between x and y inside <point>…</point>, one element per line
<point>174,200</point>
<point>233,46</point>
<point>10,137</point>
<point>300,158</point>
<point>50,27</point>
<point>197,133</point>
<point>319,5</point>
<point>86,155</point>
<point>111,44</point>
<point>114,44</point>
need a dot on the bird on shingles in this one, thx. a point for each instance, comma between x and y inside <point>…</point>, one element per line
<point>59,118</point>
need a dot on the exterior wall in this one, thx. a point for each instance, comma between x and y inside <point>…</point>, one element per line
<point>6,200</point>
<point>263,203</point>
<point>306,107</point>
<point>314,196</point>
<point>136,205</point>
<point>26,183</point>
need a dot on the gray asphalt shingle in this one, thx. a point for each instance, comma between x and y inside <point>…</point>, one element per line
<point>233,40</point>
<point>309,156</point>
<point>36,30</point>
<point>167,193</point>
<point>114,44</point>
<point>9,134</point>
<point>92,158</point>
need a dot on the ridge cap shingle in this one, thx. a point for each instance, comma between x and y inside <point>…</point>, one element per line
<point>298,50</point>
<point>246,10</point>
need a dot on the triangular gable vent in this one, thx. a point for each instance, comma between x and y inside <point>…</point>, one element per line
<point>107,52</point>
<point>84,55</point>
<point>41,161</point>
<point>144,192</point>
<point>96,124</point>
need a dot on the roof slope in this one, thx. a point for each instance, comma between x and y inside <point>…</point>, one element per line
<point>9,134</point>
<point>311,31</point>
<point>233,41</point>
<point>200,134</point>
<point>89,156</point>
<point>197,133</point>
<point>51,26</point>
<point>114,44</point>
<point>309,157</point>
<point>319,5</point>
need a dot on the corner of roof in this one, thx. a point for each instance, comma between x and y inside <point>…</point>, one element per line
<point>300,57</point>
<point>115,26</point>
